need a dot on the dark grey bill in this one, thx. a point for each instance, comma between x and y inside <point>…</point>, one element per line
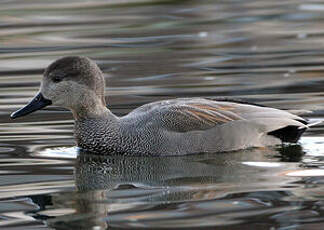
<point>37,103</point>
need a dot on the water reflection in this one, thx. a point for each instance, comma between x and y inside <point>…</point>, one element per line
<point>98,172</point>
<point>123,191</point>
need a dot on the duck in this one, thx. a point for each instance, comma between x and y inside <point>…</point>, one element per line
<point>179,126</point>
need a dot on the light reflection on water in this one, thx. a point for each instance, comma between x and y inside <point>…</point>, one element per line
<point>264,51</point>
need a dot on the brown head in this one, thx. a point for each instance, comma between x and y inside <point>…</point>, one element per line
<point>73,82</point>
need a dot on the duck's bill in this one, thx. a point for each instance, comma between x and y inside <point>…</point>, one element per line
<point>37,103</point>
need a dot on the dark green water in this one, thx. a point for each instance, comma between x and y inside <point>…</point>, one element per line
<point>269,52</point>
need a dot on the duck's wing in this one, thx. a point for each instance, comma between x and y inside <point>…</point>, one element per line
<point>195,115</point>
<point>202,114</point>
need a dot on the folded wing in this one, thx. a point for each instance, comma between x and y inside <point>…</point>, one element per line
<point>196,115</point>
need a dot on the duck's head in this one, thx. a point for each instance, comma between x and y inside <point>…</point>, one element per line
<point>75,83</point>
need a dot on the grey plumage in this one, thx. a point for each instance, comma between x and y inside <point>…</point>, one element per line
<point>170,127</point>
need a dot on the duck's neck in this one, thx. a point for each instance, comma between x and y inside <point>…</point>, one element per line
<point>93,108</point>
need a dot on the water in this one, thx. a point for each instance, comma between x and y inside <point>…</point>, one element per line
<point>269,52</point>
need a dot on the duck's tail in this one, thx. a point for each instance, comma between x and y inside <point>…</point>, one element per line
<point>292,133</point>
<point>289,133</point>
<point>313,123</point>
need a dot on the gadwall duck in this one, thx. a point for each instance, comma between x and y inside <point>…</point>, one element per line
<point>169,127</point>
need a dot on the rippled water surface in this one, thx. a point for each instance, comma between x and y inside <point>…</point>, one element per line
<point>269,52</point>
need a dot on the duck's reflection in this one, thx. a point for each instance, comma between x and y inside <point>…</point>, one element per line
<point>124,191</point>
<point>93,172</point>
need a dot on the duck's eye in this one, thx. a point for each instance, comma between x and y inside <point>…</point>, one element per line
<point>56,79</point>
